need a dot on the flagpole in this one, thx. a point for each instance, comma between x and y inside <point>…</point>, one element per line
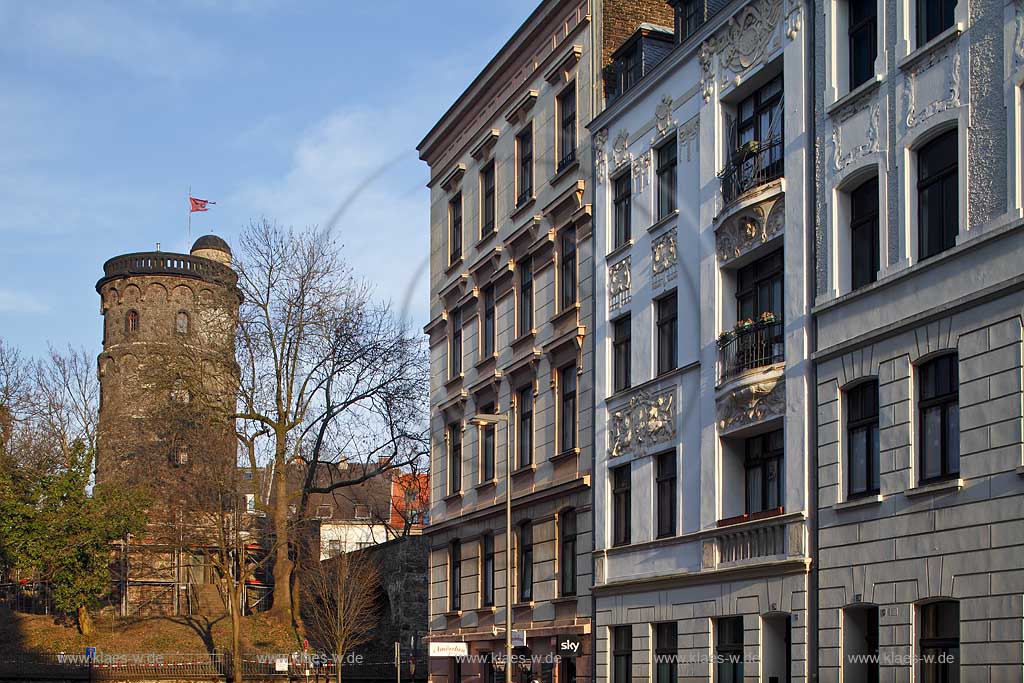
<point>189,237</point>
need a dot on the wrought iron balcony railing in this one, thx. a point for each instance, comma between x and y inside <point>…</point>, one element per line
<point>749,347</point>
<point>752,165</point>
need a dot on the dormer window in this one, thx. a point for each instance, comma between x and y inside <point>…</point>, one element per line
<point>637,57</point>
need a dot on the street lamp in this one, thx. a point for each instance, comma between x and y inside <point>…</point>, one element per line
<point>491,420</point>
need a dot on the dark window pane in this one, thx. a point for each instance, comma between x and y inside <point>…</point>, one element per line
<point>864,233</point>
<point>623,207</point>
<point>938,198</point>
<point>621,350</point>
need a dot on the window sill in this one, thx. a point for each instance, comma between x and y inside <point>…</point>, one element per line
<point>750,517</point>
<point>619,251</point>
<point>663,221</point>
<point>529,334</point>
<point>486,609</point>
<point>454,380</point>
<point>452,497</point>
<point>862,89</point>
<point>563,599</point>
<point>528,604</point>
<point>935,487</point>
<point>565,455</point>
<point>521,207</point>
<point>453,266</point>
<point>454,613</point>
<point>485,237</point>
<point>564,171</point>
<point>523,470</point>
<point>484,360</point>
<point>486,484</point>
<point>1020,470</point>
<point>950,34</point>
<point>564,313</point>
<point>859,502</point>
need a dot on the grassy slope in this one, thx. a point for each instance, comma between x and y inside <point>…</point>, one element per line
<point>38,633</point>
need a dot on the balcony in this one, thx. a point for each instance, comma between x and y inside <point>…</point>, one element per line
<point>754,164</point>
<point>777,538</point>
<point>750,345</point>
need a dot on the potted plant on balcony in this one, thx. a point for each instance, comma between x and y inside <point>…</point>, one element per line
<point>768,318</point>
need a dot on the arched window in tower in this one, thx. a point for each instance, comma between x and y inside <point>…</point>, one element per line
<point>131,322</point>
<point>180,393</point>
<point>181,323</point>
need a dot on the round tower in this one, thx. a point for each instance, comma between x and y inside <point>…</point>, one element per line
<point>168,375</point>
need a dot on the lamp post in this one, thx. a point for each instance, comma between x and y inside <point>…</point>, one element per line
<point>489,420</point>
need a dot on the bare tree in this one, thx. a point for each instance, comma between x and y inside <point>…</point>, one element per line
<point>325,375</point>
<point>341,596</point>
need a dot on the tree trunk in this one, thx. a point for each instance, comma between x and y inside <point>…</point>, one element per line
<point>282,605</point>
<point>338,666</point>
<point>84,621</point>
<point>236,633</point>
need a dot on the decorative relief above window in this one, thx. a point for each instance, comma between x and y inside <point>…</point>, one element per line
<point>751,404</point>
<point>618,284</point>
<point>663,259</point>
<point>620,149</point>
<point>601,154</point>
<point>749,228</point>
<point>746,40</point>
<point>641,171</point>
<point>841,160</point>
<point>939,76</point>
<point>644,420</point>
<point>663,115</point>
<point>688,134</point>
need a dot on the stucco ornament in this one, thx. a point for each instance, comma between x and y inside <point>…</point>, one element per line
<point>645,420</point>
<point>752,404</point>
<point>688,134</point>
<point>746,40</point>
<point>870,144</point>
<point>620,149</point>
<point>601,154</point>
<point>618,284</point>
<point>663,115</point>
<point>641,171</point>
<point>749,228</point>
<point>1018,42</point>
<point>951,89</point>
<point>663,258</point>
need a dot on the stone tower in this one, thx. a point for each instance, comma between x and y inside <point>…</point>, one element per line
<point>167,372</point>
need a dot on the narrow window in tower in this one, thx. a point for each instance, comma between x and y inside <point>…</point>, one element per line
<point>181,322</point>
<point>131,322</point>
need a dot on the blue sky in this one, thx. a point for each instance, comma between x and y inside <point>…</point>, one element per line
<point>110,110</point>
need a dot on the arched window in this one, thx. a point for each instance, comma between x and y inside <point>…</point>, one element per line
<point>131,322</point>
<point>939,641</point>
<point>181,322</point>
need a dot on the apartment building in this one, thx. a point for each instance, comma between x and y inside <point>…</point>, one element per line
<point>512,312</point>
<point>919,271</point>
<point>701,338</point>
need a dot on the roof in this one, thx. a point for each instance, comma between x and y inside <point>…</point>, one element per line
<point>211,242</point>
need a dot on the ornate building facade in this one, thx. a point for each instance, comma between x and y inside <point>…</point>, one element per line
<point>702,329</point>
<point>920,261</point>
<point>511,305</point>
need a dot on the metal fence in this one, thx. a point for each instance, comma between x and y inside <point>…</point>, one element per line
<point>748,348</point>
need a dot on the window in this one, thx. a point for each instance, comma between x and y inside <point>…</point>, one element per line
<point>181,322</point>
<point>689,16</point>
<point>525,296</point>
<point>455,228</point>
<point>181,457</point>
<point>939,644</point>
<point>623,207</point>
<point>940,418</point>
<point>862,438</point>
<point>568,268</point>
<point>567,126</point>
<point>526,562</point>
<point>665,652</point>
<point>567,670</point>
<point>666,492</point>
<point>567,553</point>
<point>334,547</point>
<point>755,142</point>
<point>863,37</point>
<point>524,435</point>
<point>759,288</point>
<point>488,334</point>
<point>456,344</point>
<point>729,648</point>
<point>860,644</point>
<point>524,168</point>
<point>362,511</point>
<point>487,435</point>
<point>487,199</point>
<point>455,576</point>
<point>933,17</point>
<point>864,233</point>
<point>250,503</point>
<point>622,654</point>
<point>764,471</point>
<point>667,332</point>
<point>621,505</point>
<point>938,212</point>
<point>620,353</point>
<point>323,511</point>
<point>454,458</point>
<point>567,413</point>
<point>487,571</point>
<point>666,178</point>
<point>131,322</point>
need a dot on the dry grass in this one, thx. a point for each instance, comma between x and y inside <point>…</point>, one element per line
<point>37,633</point>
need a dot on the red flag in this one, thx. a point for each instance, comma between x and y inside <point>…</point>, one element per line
<point>199,204</point>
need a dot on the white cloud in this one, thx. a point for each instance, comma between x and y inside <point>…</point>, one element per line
<point>12,301</point>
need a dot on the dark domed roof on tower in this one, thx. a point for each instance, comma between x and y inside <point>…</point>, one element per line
<point>211,242</point>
